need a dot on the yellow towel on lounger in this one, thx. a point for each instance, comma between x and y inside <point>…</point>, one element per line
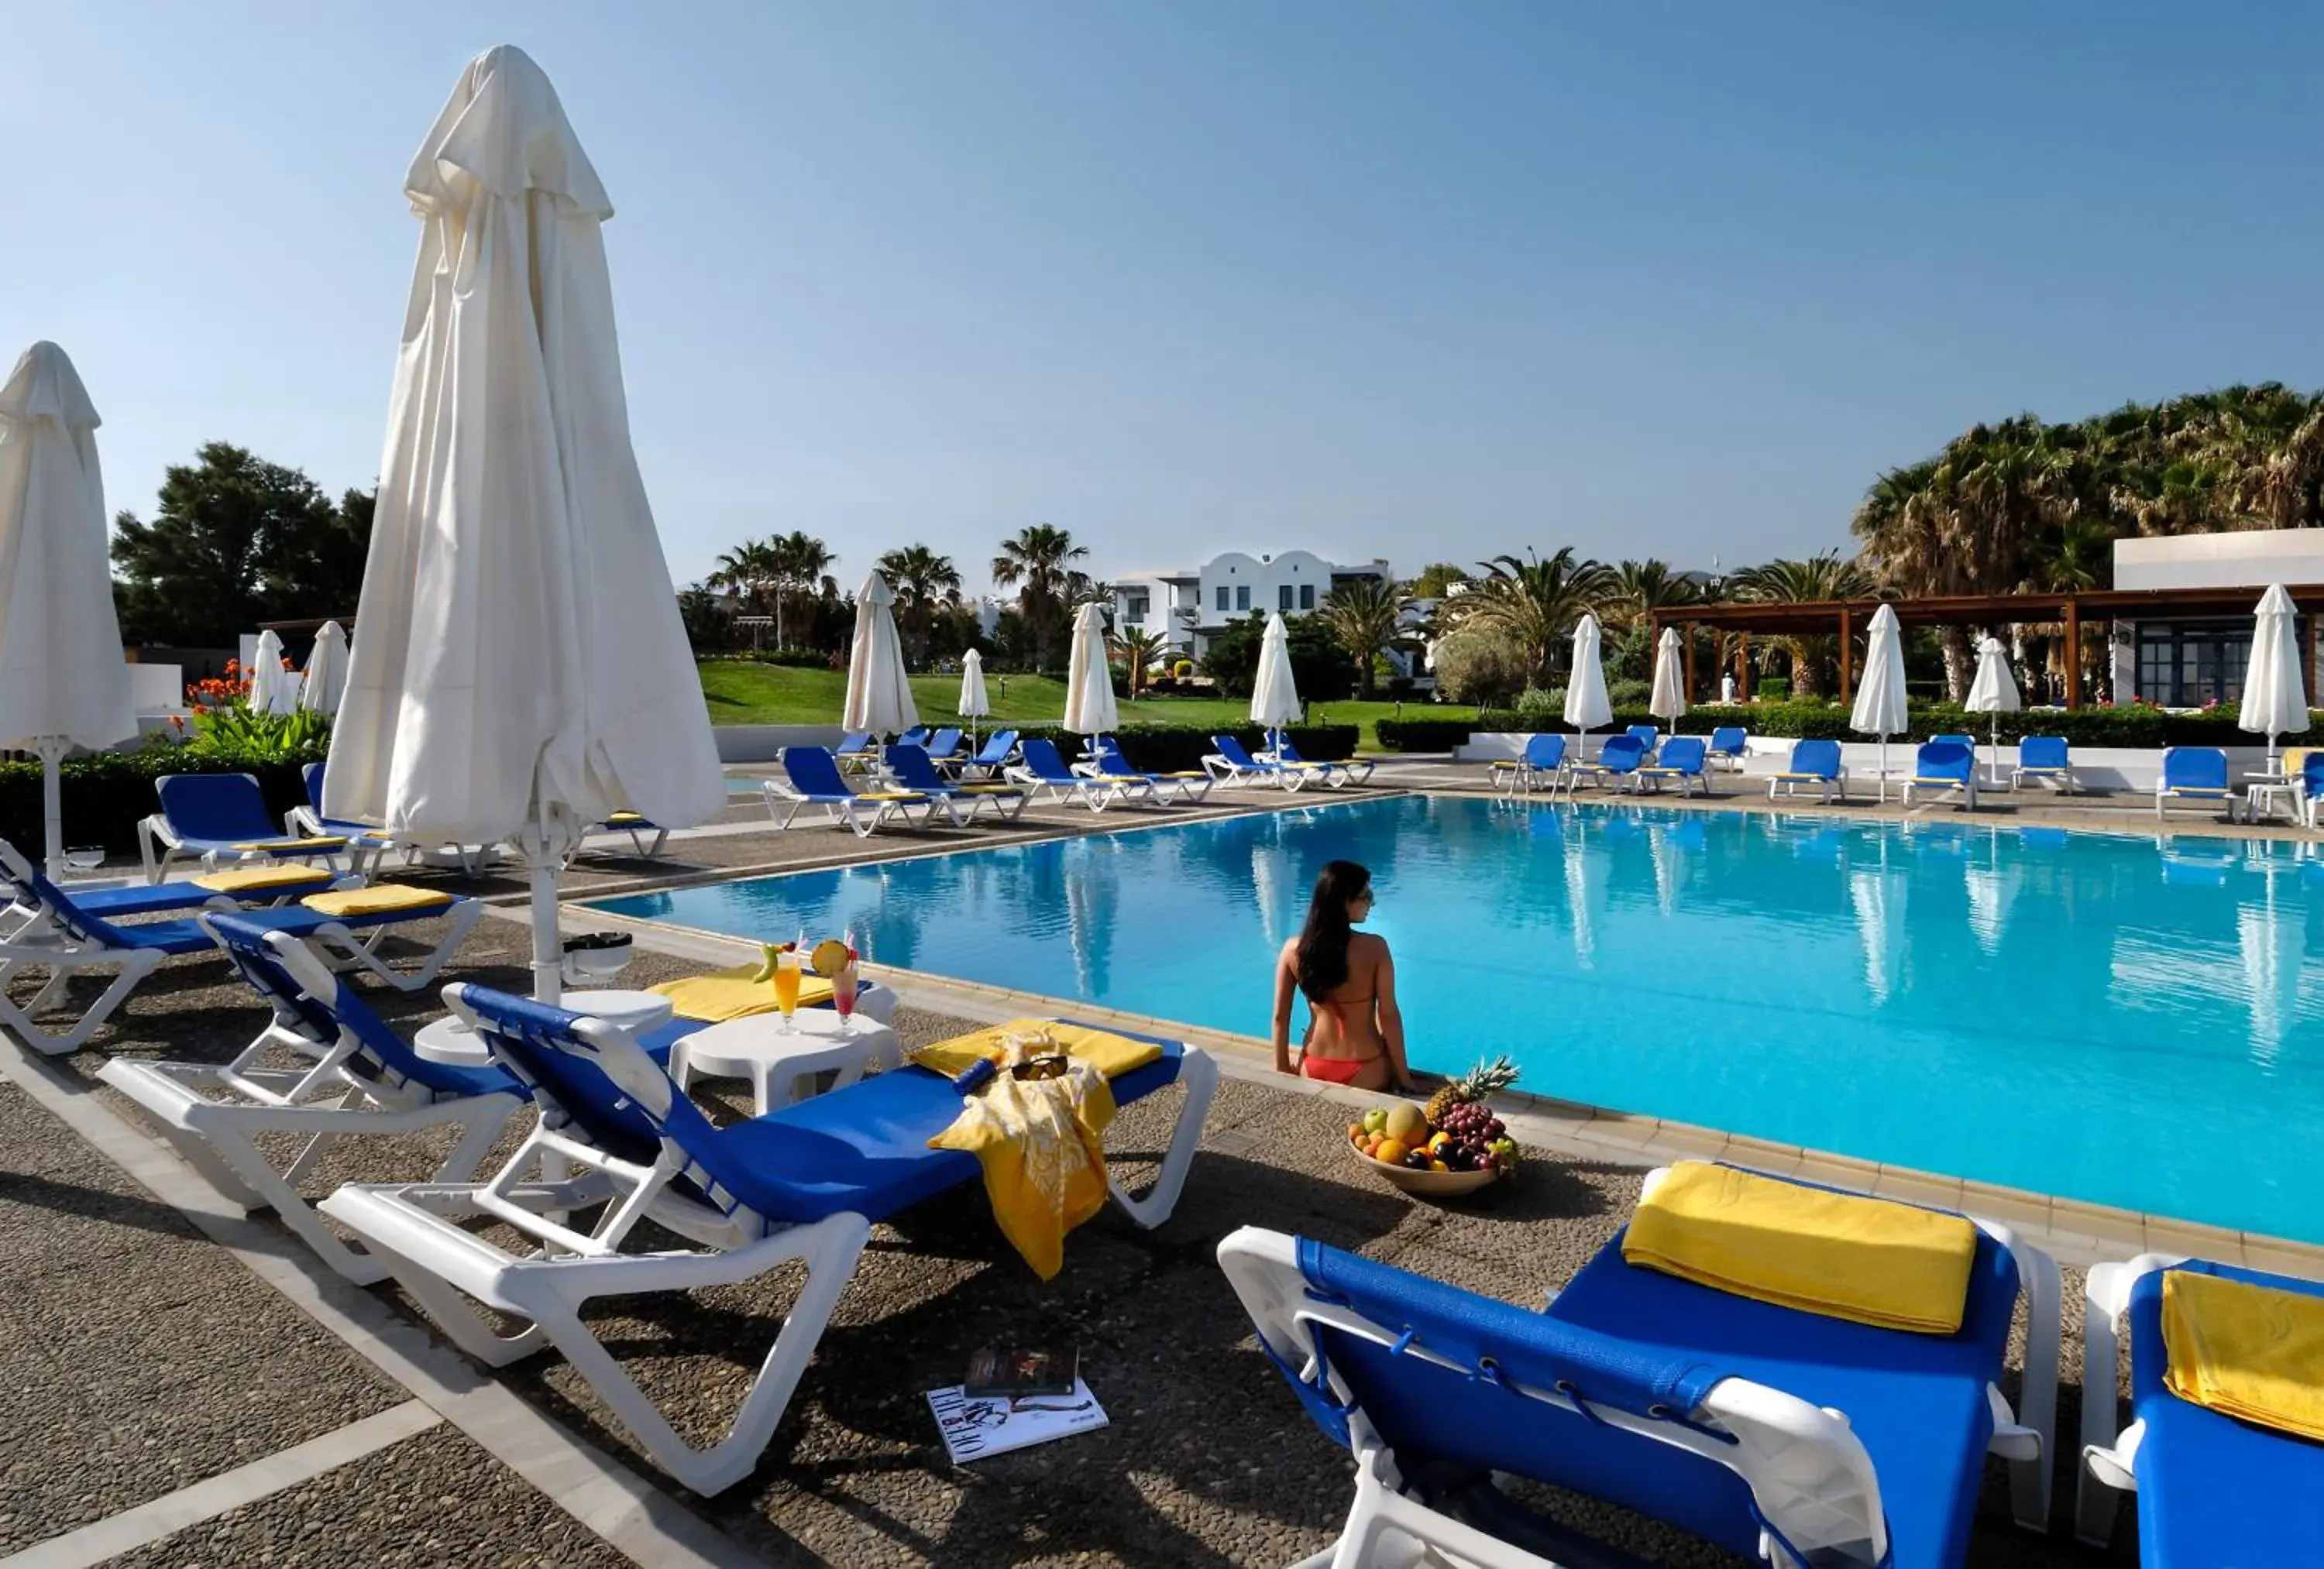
<point>379,899</point>
<point>1041,1144</point>
<point>1111,1055</point>
<point>321,841</point>
<point>1869,1261</point>
<point>262,879</point>
<point>623,819</point>
<point>890,796</point>
<point>732,994</point>
<point>2256,1353</point>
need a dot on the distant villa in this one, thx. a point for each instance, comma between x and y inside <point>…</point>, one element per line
<point>1190,606</point>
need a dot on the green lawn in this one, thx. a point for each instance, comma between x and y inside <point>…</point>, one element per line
<point>778,694</point>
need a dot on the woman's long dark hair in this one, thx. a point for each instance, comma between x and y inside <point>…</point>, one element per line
<point>1324,940</point>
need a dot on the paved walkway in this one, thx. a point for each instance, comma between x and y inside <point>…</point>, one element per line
<point>185,1385</point>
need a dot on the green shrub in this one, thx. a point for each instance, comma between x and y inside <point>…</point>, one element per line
<point>1633,693</point>
<point>1537,706</point>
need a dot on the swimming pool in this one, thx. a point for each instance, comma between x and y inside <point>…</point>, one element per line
<point>2104,1017</point>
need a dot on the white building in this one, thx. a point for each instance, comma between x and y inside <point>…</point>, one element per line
<point>1190,606</point>
<point>2188,661</point>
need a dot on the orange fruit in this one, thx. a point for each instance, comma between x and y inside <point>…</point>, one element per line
<point>1392,1150</point>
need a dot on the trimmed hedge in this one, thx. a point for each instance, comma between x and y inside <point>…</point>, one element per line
<point>106,795</point>
<point>2138,728</point>
<point>1167,749</point>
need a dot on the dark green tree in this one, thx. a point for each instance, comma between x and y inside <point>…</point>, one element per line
<point>1319,663</point>
<point>236,540</point>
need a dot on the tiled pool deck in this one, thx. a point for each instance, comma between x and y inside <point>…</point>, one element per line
<point>191,1388</point>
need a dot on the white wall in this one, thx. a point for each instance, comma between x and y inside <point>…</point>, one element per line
<point>1264,577</point>
<point>2251,558</point>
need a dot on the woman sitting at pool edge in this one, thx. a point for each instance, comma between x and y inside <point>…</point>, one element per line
<point>1355,1035</point>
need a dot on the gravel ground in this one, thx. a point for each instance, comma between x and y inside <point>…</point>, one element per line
<point>435,1500</point>
<point>1209,1460</point>
<point>135,1356</point>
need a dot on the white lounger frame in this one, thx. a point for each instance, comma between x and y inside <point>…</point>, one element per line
<point>160,847</point>
<point>414,1229</point>
<point>2214,797</point>
<point>1224,772</point>
<point>214,1115</point>
<point>1806,1469</point>
<point>1964,788</point>
<point>865,817</point>
<point>1833,789</point>
<point>1096,793</point>
<point>2109,1466</point>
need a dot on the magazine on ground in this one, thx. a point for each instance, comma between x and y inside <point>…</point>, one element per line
<point>975,1428</point>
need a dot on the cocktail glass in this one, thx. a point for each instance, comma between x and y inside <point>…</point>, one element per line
<point>787,988</point>
<point>842,999</point>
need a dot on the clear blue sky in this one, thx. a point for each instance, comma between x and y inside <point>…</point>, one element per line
<point>1412,280</point>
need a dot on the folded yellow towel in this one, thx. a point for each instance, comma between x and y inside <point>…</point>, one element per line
<point>1111,1055</point>
<point>732,994</point>
<point>623,819</point>
<point>379,899</point>
<point>888,795</point>
<point>1869,1261</point>
<point>2256,1353</point>
<point>321,841</point>
<point>1041,1144</point>
<point>989,789</point>
<point>259,879</point>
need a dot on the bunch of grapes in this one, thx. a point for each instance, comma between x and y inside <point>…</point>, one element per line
<point>1480,1141</point>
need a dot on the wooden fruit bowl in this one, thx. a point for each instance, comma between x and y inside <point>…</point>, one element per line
<point>1426,1184</point>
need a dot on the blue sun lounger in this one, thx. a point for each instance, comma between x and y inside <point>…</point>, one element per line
<point>1542,761</point>
<point>1813,762</point>
<point>1231,763</point>
<point>804,1183</point>
<point>1730,744</point>
<point>856,752</point>
<point>942,746</point>
<point>1783,1436</point>
<point>1946,765</point>
<point>2211,1489</point>
<point>2196,774</point>
<point>991,757</point>
<point>1189,785</point>
<point>1647,736</point>
<point>220,818</point>
<point>362,1080</point>
<point>1680,762</point>
<point>811,779</point>
<point>2043,759</point>
<point>26,915</point>
<point>1619,760</point>
<point>1043,768</point>
<point>68,939</point>
<point>1346,771</point>
<point>913,771</point>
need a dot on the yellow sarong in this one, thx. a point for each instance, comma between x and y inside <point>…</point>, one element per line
<point>320,841</point>
<point>732,994</point>
<point>1110,1055</point>
<point>1869,1261</point>
<point>1041,1142</point>
<point>379,899</point>
<point>2251,1352</point>
<point>261,879</point>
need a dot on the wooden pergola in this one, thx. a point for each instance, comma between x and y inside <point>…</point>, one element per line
<point>1847,617</point>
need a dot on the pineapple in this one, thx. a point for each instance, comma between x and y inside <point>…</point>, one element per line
<point>1474,1085</point>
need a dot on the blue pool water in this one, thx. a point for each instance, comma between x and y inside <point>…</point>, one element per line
<point>2095,1015</point>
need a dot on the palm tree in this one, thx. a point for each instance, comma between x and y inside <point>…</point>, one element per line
<point>1038,563</point>
<point>1364,614</point>
<point>1139,648</point>
<point>2077,555</point>
<point>923,582</point>
<point>1532,604</point>
<point>1818,577</point>
<point>1640,588</point>
<point>800,558</point>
